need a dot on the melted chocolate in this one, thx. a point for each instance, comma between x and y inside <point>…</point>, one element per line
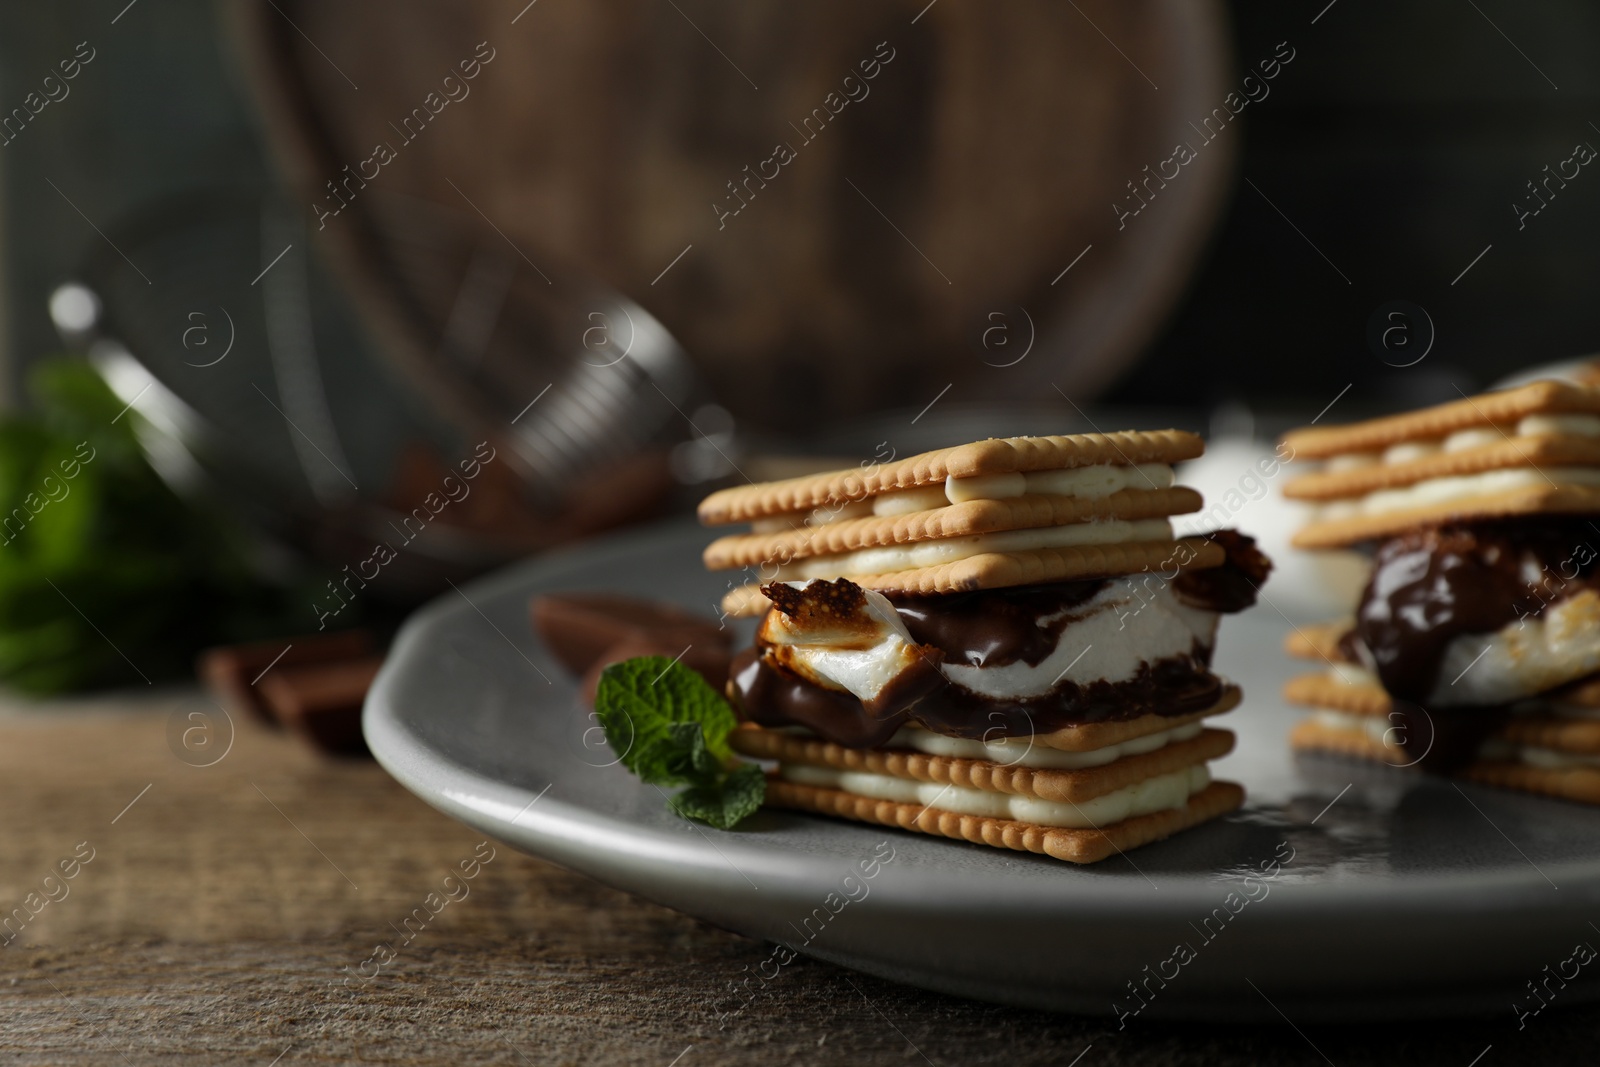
<point>993,627</point>
<point>1354,650</point>
<point>1432,585</point>
<point>1445,742</point>
<point>1232,586</point>
<point>770,695</point>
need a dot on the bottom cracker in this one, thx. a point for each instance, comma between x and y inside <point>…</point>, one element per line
<point>1555,732</point>
<point>1074,846</point>
<point>1569,783</point>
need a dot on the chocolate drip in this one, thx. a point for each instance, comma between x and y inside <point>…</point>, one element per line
<point>772,696</point>
<point>1352,649</point>
<point>1430,586</point>
<point>1444,742</point>
<point>1232,586</point>
<point>993,627</point>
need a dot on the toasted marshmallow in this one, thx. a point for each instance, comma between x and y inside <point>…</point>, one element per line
<point>1132,621</point>
<point>1532,655</point>
<point>839,636</point>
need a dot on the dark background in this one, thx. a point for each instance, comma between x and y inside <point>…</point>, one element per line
<point>1396,143</point>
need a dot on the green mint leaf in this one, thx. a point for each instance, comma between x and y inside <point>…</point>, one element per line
<point>669,727</point>
<point>726,803</point>
<point>639,701</point>
<point>691,759</point>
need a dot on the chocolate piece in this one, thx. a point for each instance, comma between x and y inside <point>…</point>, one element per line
<point>1432,585</point>
<point>769,695</point>
<point>231,672</point>
<point>323,702</point>
<point>709,660</point>
<point>580,627</point>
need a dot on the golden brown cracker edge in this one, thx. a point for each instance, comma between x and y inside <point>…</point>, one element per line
<point>967,519</point>
<point>1487,409</point>
<point>1000,455</point>
<point>1554,450</point>
<point>1000,570</point>
<point>1073,846</point>
<point>1553,499</point>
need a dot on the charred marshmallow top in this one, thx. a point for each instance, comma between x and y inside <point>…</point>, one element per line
<point>848,639</point>
<point>856,666</point>
<point>862,649</point>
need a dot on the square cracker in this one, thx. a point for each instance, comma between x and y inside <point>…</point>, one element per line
<point>1318,641</point>
<point>957,520</point>
<point>1585,693</point>
<point>1571,783</point>
<point>1309,735</point>
<point>1488,409</point>
<point>1322,691</point>
<point>1069,786</point>
<point>1544,450</point>
<point>999,570</point>
<point>997,455</point>
<point>1559,733</point>
<point>1549,499</point>
<point>1074,846</point>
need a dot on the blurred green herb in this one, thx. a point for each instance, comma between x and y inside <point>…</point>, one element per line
<point>106,575</point>
<point>669,727</point>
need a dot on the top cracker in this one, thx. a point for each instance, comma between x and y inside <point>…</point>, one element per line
<point>997,455</point>
<point>1489,409</point>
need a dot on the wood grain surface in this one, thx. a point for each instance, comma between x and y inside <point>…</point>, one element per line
<point>220,910</point>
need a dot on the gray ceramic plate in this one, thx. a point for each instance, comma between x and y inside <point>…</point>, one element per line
<point>1403,895</point>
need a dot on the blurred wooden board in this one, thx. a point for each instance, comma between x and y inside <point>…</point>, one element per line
<point>209,928</point>
<point>966,177</point>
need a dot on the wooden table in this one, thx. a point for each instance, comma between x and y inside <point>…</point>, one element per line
<point>223,904</point>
